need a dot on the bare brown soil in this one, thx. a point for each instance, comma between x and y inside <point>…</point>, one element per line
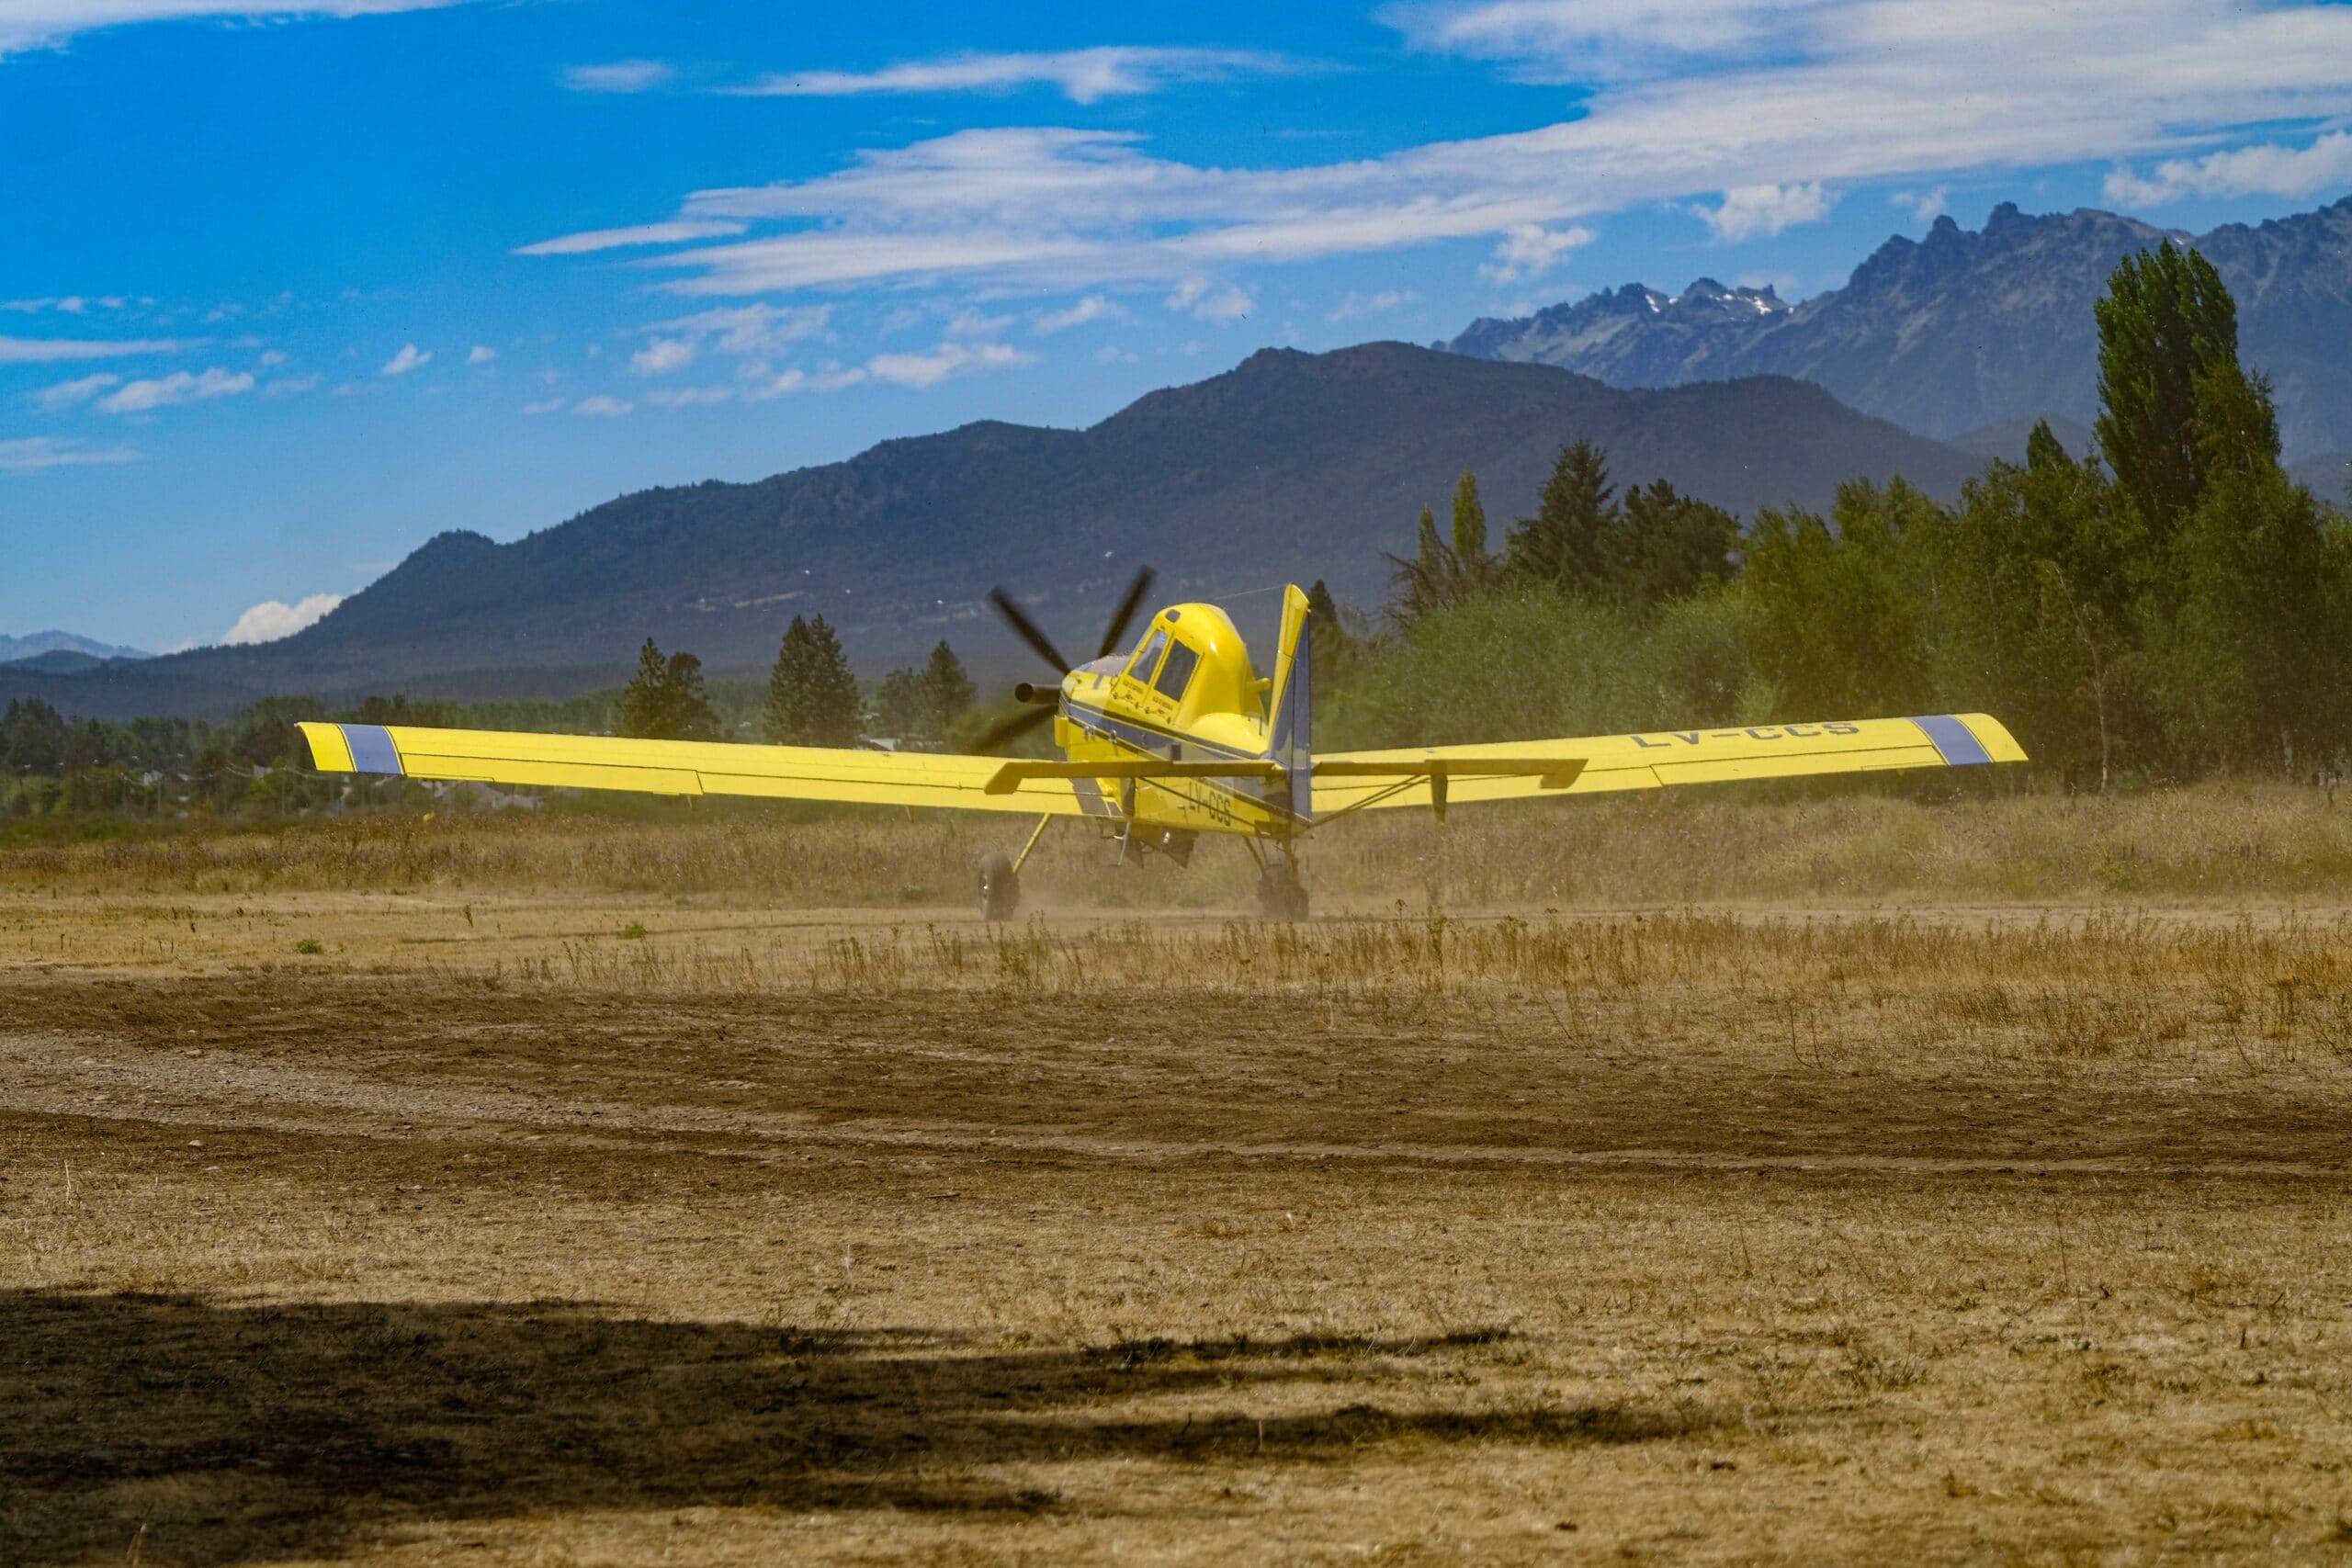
<point>486,1233</point>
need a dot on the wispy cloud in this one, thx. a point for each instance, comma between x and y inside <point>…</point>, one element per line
<point>948,359</point>
<point>669,233</point>
<point>274,618</point>
<point>687,396</point>
<point>1760,211</point>
<point>30,24</point>
<point>410,358</point>
<point>602,407</point>
<point>1757,113</point>
<point>543,405</point>
<point>73,393</point>
<point>2265,170</point>
<point>745,330</point>
<point>1082,76</point>
<point>619,77</point>
<point>179,386</point>
<point>1352,304</point>
<point>1094,308</point>
<point>481,354</point>
<point>1207,302</point>
<point>64,304</point>
<point>38,453</point>
<point>63,351</point>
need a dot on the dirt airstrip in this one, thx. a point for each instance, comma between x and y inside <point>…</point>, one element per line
<point>489,1227</point>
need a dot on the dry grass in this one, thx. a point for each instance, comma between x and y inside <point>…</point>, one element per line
<point>487,1234</point>
<point>2215,842</point>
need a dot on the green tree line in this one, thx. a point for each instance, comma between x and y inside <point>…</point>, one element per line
<point>2169,607</point>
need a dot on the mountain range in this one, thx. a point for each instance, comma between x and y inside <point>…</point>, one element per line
<point>1969,328</point>
<point>1292,466</point>
<point>61,652</point>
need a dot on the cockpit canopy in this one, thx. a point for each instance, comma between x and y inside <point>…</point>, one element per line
<point>1191,657</point>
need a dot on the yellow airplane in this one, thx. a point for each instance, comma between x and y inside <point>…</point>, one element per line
<point>1177,737</point>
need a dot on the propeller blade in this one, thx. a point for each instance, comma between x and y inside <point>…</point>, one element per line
<point>1018,619</point>
<point>1012,729</point>
<point>1118,630</point>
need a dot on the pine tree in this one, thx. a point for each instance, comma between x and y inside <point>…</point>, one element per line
<point>1663,546</point>
<point>1561,544</point>
<point>947,692</point>
<point>1431,579</point>
<point>665,700</point>
<point>812,694</point>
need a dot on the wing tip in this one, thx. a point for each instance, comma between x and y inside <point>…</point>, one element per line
<point>330,752</point>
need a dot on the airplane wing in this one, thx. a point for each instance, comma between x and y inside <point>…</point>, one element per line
<point>1355,781</point>
<point>693,768</point>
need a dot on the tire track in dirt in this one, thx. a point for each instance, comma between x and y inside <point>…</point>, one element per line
<point>109,1080</point>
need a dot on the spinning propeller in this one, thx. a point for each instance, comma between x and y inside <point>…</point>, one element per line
<point>1043,700</point>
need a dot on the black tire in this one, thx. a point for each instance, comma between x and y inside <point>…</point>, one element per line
<point>1000,890</point>
<point>1280,896</point>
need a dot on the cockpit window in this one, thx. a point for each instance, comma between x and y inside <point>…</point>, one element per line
<point>1177,673</point>
<point>1149,660</point>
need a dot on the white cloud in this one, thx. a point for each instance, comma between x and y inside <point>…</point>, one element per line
<point>1353,304</point>
<point>1924,206</point>
<point>179,386</point>
<point>971,322</point>
<point>273,618</point>
<point>290,386</point>
<point>1782,103</point>
<point>409,359</point>
<point>271,358</point>
<point>620,76</point>
<point>1754,212</point>
<point>751,329</point>
<point>2265,170</point>
<point>602,407</point>
<point>30,24</point>
<point>642,235</point>
<point>38,453</point>
<point>1083,76</point>
<point>1094,308</point>
<point>661,357</point>
<point>1527,250</point>
<point>73,394</point>
<point>1207,302</point>
<point>68,304</point>
<point>62,351</point>
<point>1112,353</point>
<point>687,396</point>
<point>544,405</point>
<point>481,354</point>
<point>950,359</point>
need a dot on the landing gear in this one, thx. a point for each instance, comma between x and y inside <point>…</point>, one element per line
<point>1000,877</point>
<point>999,886</point>
<point>1281,895</point>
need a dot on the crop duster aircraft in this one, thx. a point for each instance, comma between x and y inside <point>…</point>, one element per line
<point>1177,736</point>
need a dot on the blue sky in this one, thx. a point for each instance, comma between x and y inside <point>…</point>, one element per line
<point>286,288</point>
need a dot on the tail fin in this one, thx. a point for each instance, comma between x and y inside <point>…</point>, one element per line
<point>1289,714</point>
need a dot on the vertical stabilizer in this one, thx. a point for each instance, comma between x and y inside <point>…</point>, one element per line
<point>1290,713</point>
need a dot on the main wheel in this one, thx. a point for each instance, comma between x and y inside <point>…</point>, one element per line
<point>1280,896</point>
<point>1000,888</point>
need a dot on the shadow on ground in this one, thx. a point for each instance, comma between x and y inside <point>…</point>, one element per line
<point>235,1434</point>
